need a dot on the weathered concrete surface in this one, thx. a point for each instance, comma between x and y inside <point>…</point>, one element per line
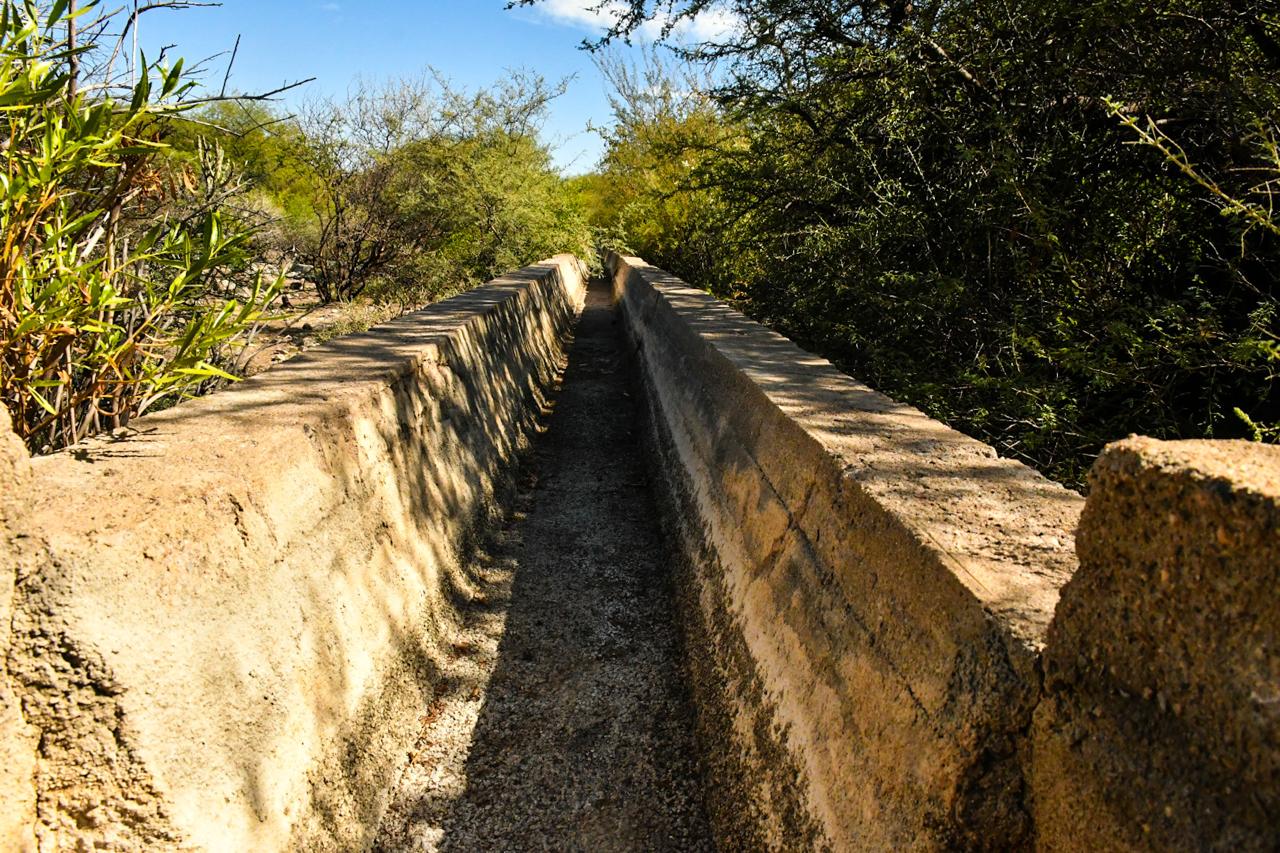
<point>17,739</point>
<point>237,623</point>
<point>867,590</point>
<point>566,725</point>
<point>1161,723</point>
<point>225,629</point>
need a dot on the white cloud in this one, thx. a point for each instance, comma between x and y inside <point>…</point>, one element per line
<point>581,14</point>
<point>331,7</point>
<point>711,25</point>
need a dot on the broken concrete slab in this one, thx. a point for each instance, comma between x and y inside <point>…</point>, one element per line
<point>1160,727</point>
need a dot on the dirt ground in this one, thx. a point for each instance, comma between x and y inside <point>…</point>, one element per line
<point>305,322</point>
<point>563,721</point>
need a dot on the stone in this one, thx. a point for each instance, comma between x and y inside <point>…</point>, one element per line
<point>17,739</point>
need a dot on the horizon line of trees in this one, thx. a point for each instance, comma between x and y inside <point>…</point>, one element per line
<point>1048,224</point>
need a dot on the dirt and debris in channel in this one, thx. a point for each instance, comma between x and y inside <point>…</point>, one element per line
<point>562,721</point>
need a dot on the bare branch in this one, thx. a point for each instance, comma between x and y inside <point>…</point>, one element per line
<point>231,62</point>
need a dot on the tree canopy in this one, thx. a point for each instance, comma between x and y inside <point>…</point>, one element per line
<point>1048,223</point>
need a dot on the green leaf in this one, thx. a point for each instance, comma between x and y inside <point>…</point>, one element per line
<point>56,12</point>
<point>44,404</point>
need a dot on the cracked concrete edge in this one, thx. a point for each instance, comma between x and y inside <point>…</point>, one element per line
<point>17,739</point>
<point>234,621</point>
<point>1160,727</point>
<point>891,581</point>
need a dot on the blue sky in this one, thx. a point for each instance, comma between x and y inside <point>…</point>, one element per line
<point>471,42</point>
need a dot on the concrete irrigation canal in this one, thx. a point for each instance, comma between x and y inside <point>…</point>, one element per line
<point>558,566</point>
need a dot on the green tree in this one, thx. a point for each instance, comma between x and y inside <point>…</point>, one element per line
<point>423,189</point>
<point>263,144</point>
<point>1043,222</point>
<point>666,139</point>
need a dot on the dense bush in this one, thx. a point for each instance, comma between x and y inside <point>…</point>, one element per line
<point>414,190</point>
<point>121,277</point>
<point>1046,223</point>
<point>138,216</point>
<point>404,191</point>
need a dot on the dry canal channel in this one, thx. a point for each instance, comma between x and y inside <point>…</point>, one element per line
<point>564,723</point>
<point>244,624</point>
